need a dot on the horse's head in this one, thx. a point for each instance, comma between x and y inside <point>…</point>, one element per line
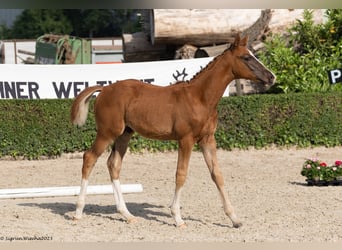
<point>246,66</point>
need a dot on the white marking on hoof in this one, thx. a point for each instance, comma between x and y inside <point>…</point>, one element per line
<point>76,218</point>
<point>132,220</point>
<point>182,226</point>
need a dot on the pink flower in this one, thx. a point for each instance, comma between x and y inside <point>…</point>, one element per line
<point>308,166</point>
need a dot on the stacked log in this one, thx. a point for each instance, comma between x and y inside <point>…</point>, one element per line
<point>203,29</point>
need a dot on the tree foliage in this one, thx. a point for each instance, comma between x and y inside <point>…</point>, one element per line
<point>302,58</point>
<point>33,23</point>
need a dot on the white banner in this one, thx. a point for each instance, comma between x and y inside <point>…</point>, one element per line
<point>67,81</point>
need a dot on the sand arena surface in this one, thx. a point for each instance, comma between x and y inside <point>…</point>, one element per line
<point>265,187</point>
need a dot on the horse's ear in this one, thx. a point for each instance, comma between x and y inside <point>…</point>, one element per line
<point>244,41</point>
<point>237,40</point>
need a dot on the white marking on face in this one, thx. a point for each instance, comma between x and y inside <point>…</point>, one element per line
<point>250,52</point>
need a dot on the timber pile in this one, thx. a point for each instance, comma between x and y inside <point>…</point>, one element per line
<point>185,33</point>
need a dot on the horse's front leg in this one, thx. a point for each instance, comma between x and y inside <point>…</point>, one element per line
<point>184,153</point>
<point>208,146</point>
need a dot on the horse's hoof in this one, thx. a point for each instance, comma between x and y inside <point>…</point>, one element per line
<point>132,220</point>
<point>237,224</point>
<point>74,218</point>
<point>182,226</point>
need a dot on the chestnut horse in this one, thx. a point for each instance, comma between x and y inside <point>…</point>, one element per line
<point>185,112</point>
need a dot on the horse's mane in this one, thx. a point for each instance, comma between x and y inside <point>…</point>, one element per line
<point>207,67</point>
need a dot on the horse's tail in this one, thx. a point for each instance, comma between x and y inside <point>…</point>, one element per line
<point>80,106</point>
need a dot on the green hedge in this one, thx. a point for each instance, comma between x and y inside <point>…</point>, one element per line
<point>303,120</point>
<point>35,128</point>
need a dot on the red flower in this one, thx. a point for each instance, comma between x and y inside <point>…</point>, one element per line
<point>338,163</point>
<point>323,164</point>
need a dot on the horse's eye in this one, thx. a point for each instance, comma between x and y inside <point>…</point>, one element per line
<point>246,57</point>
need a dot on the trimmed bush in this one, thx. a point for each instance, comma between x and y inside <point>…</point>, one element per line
<point>35,128</point>
<point>297,119</point>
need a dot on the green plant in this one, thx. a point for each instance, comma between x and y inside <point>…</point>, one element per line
<point>314,169</point>
<point>338,168</point>
<point>301,59</point>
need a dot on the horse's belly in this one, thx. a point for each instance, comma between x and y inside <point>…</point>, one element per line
<point>154,132</point>
<point>152,126</point>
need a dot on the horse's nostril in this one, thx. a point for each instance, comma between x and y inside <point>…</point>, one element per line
<point>272,78</point>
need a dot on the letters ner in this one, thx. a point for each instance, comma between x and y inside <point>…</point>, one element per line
<point>19,90</point>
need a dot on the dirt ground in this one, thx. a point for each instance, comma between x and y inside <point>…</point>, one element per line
<point>265,186</point>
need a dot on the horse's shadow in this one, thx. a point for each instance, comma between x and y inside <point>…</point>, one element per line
<point>140,210</point>
<point>143,210</point>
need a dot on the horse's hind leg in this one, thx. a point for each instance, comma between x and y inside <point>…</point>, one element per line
<point>114,164</point>
<point>208,146</point>
<point>89,159</point>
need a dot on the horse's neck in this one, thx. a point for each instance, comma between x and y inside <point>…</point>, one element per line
<point>212,81</point>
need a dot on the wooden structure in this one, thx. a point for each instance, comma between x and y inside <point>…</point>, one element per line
<point>137,48</point>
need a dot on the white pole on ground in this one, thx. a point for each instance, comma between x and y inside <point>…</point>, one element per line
<point>65,191</point>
